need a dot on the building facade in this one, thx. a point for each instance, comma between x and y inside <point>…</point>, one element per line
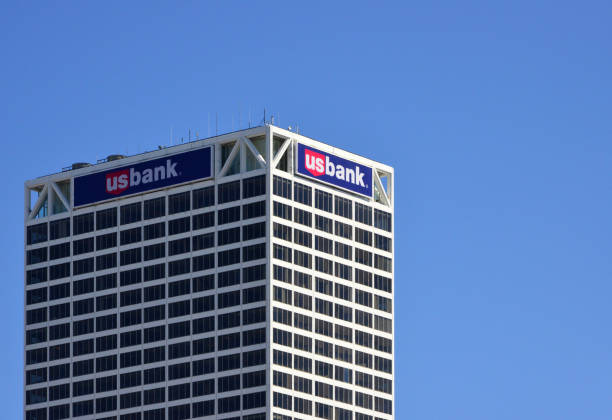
<point>247,276</point>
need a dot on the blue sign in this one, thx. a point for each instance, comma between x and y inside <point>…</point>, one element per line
<point>143,176</point>
<point>334,170</point>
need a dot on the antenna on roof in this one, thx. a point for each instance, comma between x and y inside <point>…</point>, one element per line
<point>264,120</point>
<point>249,117</point>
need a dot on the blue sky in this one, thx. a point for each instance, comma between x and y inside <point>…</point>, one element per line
<point>495,115</point>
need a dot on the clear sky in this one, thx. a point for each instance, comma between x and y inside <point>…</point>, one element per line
<point>496,116</point>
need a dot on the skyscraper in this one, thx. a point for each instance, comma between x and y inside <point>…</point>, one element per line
<point>247,276</point>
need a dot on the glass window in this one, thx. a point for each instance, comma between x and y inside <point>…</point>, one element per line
<point>84,306</point>
<point>302,193</point>
<point>55,252</point>
<point>228,278</point>
<point>204,241</point>
<point>179,246</point>
<point>203,220</point>
<point>229,215</point>
<point>128,277</point>
<point>253,379</point>
<point>106,302</point>
<point>343,207</point>
<point>253,252</point>
<point>154,272</point>
<point>231,256</point>
<point>344,230</point>
<point>282,187</point>
<point>130,256</point>
<point>253,231</point>
<point>282,210</point>
<point>107,281</point>
<point>382,283</point>
<point>253,294</point>
<point>36,336</point>
<point>254,358</point>
<point>363,257</point>
<point>323,200</point>
<point>228,236</point>
<point>130,236</point>
<point>106,218</point>
<point>35,256</point>
<point>383,263</point>
<point>363,318</point>
<point>256,209</point>
<point>36,276</point>
<point>343,250</point>
<point>203,262</point>
<point>177,226</point>
<point>155,207</point>
<point>303,238</point>
<point>83,223</point>
<point>154,313</point>
<point>179,202</point>
<point>363,236</point>
<point>131,213</point>
<point>281,231</point>
<point>203,197</point>
<point>254,186</point>
<point>254,316</point>
<point>85,265</point>
<point>59,229</point>
<point>106,241</point>
<point>363,214</point>
<point>302,217</point>
<point>382,242</point>
<point>83,246</point>
<point>382,220</point>
<point>202,283</point>
<point>282,252</point>
<point>37,233</point>
<point>227,192</point>
<point>323,223</point>
<point>59,271</point>
<point>254,273</point>
<point>178,267</point>
<point>301,258</point>
<point>382,303</point>
<point>156,230</point>
<point>323,244</point>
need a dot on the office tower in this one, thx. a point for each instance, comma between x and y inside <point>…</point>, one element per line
<point>247,276</point>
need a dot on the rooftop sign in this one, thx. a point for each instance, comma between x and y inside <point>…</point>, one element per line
<point>334,170</point>
<point>143,176</point>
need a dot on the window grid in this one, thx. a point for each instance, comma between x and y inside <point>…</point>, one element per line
<point>367,365</point>
<point>176,325</point>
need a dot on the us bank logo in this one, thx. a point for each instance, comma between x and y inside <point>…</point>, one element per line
<point>119,181</point>
<point>143,176</point>
<point>334,170</point>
